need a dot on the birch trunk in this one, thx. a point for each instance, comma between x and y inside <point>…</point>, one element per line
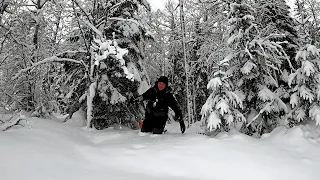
<point>189,104</point>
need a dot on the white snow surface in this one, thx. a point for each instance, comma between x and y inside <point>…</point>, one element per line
<point>51,150</point>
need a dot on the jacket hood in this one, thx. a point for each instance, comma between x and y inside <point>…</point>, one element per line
<point>164,79</point>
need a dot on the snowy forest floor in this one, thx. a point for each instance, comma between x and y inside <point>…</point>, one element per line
<point>51,150</point>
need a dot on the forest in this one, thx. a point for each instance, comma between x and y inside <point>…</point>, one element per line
<point>249,65</point>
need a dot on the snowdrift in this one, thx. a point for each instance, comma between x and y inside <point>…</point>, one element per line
<point>48,149</point>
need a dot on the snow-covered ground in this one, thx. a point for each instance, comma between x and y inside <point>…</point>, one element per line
<point>51,150</point>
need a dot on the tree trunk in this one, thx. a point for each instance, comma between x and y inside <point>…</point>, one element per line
<point>90,96</point>
<point>189,101</point>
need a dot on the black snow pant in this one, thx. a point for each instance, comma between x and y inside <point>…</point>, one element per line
<point>154,123</point>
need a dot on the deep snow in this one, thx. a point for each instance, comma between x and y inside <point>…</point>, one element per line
<point>51,150</point>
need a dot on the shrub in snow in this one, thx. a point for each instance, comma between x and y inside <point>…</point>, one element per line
<point>221,108</point>
<point>305,83</point>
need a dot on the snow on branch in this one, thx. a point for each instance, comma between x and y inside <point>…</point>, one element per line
<point>146,4</point>
<point>20,42</point>
<point>122,19</point>
<point>48,60</point>
<point>315,114</point>
<point>94,29</point>
<point>15,122</point>
<point>108,48</point>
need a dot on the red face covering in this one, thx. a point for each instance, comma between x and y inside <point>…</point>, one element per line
<point>161,86</point>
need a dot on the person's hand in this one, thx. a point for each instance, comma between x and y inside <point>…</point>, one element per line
<point>133,100</point>
<point>182,126</point>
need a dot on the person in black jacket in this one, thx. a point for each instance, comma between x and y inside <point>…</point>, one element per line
<point>159,98</point>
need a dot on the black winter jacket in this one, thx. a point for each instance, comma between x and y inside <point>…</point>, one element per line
<point>159,101</point>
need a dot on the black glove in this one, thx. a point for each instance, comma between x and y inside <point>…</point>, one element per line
<point>181,122</point>
<point>182,126</point>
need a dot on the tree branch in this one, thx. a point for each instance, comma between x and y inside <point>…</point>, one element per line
<point>4,39</point>
<point>81,31</point>
<point>3,60</point>
<point>9,125</point>
<point>85,13</point>
<point>48,60</point>
<point>19,42</point>
<point>122,19</point>
<point>12,97</point>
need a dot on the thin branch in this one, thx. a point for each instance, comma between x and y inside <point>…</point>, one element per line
<point>12,97</point>
<point>20,43</point>
<point>3,60</point>
<point>4,27</point>
<point>49,60</point>
<point>81,31</point>
<point>9,125</point>
<point>34,2</point>
<point>43,3</point>
<point>85,13</point>
<point>94,29</point>
<point>25,5</point>
<point>122,19</point>
<point>4,39</point>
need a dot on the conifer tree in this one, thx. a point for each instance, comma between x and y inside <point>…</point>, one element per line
<point>305,84</point>
<point>222,108</point>
<point>255,65</point>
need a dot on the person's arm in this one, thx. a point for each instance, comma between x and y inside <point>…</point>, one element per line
<point>147,95</point>
<point>173,104</point>
<point>143,97</point>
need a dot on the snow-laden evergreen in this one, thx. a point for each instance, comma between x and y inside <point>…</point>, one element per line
<point>221,108</point>
<point>255,65</point>
<point>102,49</point>
<point>305,84</point>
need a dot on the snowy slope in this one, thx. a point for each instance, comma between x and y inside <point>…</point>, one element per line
<point>50,150</point>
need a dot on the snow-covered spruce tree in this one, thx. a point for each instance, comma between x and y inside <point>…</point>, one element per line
<point>212,47</point>
<point>305,81</point>
<point>221,108</point>
<point>105,50</point>
<point>274,20</point>
<point>274,16</point>
<point>255,61</point>
<point>130,33</point>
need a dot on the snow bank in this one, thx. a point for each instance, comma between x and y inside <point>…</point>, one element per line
<point>52,150</point>
<point>299,135</point>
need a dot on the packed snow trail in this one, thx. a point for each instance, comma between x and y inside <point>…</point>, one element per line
<point>51,150</point>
